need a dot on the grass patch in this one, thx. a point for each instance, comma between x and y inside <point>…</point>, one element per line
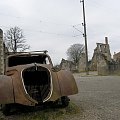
<point>47,114</point>
<point>117,73</point>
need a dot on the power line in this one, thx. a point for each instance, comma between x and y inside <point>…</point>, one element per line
<point>76,35</point>
<point>39,20</point>
<point>45,32</point>
<point>59,24</point>
<point>3,14</point>
<point>58,34</point>
<point>47,22</point>
<point>78,30</point>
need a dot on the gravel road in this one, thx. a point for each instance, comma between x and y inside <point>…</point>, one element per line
<point>98,98</point>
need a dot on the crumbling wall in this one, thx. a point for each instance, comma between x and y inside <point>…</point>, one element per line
<point>101,58</point>
<point>93,64</point>
<point>114,67</point>
<point>102,65</point>
<point>82,63</point>
<point>106,67</point>
<point>116,57</point>
<point>67,65</point>
<point>1,53</point>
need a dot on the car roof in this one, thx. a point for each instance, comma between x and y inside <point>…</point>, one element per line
<point>31,53</point>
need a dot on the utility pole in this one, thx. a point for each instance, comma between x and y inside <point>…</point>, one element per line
<point>85,36</point>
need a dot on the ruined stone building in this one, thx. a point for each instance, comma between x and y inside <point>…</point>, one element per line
<point>101,61</point>
<point>101,56</point>
<point>1,53</point>
<point>114,66</point>
<point>116,57</point>
<point>82,63</point>
<point>67,65</point>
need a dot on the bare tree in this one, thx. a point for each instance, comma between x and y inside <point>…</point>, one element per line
<point>15,40</point>
<point>74,53</point>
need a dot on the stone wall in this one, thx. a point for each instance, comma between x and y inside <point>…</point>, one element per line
<point>102,65</point>
<point>82,63</point>
<point>116,57</point>
<point>67,65</point>
<point>114,67</point>
<point>105,67</point>
<point>1,53</point>
<point>93,64</point>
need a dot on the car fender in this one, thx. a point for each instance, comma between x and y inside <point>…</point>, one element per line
<point>67,83</point>
<point>6,90</point>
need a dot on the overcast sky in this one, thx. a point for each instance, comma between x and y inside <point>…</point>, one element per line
<point>48,24</point>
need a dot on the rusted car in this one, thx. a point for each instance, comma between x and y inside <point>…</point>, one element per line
<point>30,79</point>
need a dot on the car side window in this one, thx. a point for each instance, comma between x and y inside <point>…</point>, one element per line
<point>47,60</point>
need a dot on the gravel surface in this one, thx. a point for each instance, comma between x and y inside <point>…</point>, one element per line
<point>98,98</point>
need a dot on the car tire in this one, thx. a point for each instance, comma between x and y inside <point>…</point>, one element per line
<point>6,109</point>
<point>65,101</point>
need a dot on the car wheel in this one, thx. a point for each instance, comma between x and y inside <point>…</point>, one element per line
<point>65,101</point>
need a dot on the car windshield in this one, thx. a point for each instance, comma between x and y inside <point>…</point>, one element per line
<point>27,59</point>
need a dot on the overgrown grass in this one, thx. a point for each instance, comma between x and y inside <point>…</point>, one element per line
<point>46,114</point>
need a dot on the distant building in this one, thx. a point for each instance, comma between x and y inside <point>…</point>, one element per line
<point>116,57</point>
<point>67,65</point>
<point>82,63</point>
<point>101,52</point>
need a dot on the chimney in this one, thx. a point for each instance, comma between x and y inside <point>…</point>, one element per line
<point>106,40</point>
<point>1,53</point>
